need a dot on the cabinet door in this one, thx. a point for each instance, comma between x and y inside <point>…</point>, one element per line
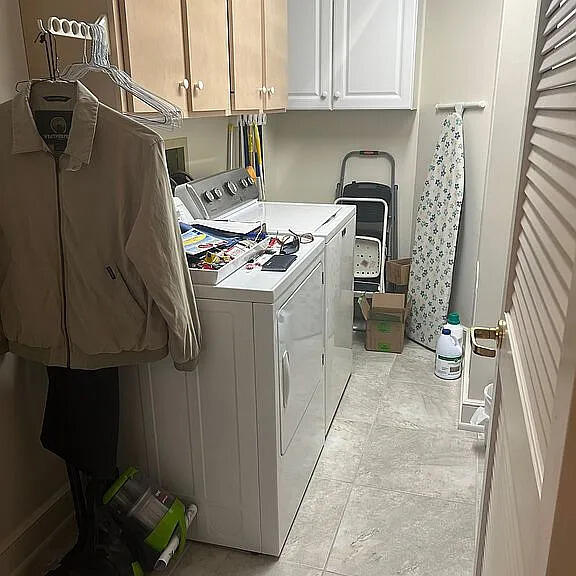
<point>276,54</point>
<point>153,40</point>
<point>246,54</point>
<point>309,54</point>
<point>374,53</point>
<point>207,30</point>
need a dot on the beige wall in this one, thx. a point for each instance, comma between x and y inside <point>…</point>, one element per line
<point>31,479</point>
<point>207,141</point>
<point>306,149</point>
<point>461,40</point>
<point>12,57</point>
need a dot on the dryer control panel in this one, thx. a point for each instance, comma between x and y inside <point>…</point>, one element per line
<point>210,198</point>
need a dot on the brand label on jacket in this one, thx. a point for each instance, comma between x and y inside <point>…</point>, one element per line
<point>54,127</point>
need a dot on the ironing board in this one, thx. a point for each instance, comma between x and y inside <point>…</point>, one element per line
<point>436,234</point>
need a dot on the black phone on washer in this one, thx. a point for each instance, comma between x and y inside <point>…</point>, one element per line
<point>279,263</point>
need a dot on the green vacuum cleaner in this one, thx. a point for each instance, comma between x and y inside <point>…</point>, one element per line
<point>154,522</point>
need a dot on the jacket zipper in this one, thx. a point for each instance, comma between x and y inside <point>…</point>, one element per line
<point>62,264</point>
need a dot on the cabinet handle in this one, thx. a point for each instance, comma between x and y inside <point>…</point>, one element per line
<point>337,95</point>
<point>263,90</point>
<point>271,90</point>
<point>324,95</point>
<point>185,84</point>
<point>199,85</point>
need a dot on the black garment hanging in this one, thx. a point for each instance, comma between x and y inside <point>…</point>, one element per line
<point>81,419</point>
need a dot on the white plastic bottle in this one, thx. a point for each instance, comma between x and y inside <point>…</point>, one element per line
<point>456,329</point>
<point>448,357</point>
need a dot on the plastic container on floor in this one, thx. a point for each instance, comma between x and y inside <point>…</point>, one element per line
<point>456,329</point>
<point>483,414</point>
<point>448,357</point>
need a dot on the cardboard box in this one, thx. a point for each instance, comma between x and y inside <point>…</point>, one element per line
<point>385,316</point>
<point>398,271</point>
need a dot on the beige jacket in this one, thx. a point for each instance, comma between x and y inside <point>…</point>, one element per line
<point>92,268</point>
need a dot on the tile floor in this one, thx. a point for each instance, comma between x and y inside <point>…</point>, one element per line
<point>395,492</point>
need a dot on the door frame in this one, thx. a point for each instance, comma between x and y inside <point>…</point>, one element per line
<point>509,108</point>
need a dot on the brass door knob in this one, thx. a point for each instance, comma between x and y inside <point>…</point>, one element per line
<point>481,333</point>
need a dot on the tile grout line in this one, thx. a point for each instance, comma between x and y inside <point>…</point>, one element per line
<point>464,438</point>
<point>419,495</point>
<point>353,483</point>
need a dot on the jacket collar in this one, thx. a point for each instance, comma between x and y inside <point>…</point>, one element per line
<point>26,138</point>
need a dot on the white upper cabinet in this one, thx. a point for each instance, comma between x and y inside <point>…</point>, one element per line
<point>309,54</point>
<point>374,53</point>
<point>352,54</point>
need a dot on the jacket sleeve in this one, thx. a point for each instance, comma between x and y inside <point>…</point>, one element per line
<point>155,248</point>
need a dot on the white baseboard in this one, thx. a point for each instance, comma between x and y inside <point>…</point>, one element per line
<point>41,538</point>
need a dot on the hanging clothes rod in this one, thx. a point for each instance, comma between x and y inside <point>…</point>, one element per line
<point>71,28</point>
<point>461,105</point>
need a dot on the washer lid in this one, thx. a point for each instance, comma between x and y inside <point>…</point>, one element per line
<point>320,219</point>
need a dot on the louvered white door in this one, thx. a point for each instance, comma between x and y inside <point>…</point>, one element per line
<point>529,519</point>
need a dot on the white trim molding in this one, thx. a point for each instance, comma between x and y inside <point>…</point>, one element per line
<point>32,545</point>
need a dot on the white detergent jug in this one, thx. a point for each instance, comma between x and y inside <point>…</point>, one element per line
<point>448,357</point>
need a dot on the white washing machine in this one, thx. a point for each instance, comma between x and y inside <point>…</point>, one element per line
<point>336,224</point>
<point>241,435</point>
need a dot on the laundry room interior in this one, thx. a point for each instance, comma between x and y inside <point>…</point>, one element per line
<point>287,287</point>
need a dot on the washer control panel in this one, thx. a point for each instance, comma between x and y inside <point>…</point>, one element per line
<point>209,198</point>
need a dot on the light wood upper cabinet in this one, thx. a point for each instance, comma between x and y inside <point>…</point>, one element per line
<point>207,32</point>
<point>275,54</point>
<point>154,49</point>
<point>246,54</point>
<point>204,56</point>
<point>364,58</point>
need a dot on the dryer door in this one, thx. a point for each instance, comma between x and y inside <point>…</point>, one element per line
<point>300,348</point>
